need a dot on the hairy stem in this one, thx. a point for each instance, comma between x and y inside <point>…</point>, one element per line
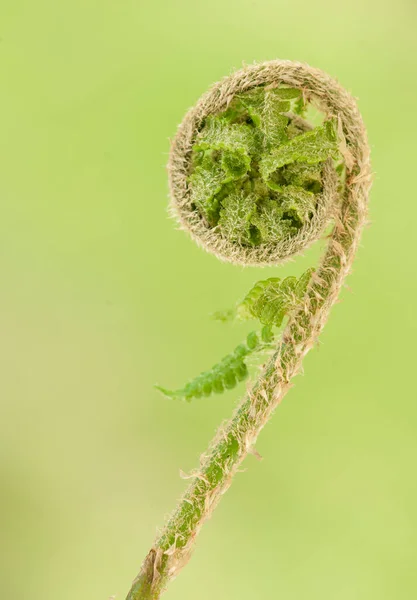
<point>236,439</point>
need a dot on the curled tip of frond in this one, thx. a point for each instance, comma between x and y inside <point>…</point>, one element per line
<point>250,179</point>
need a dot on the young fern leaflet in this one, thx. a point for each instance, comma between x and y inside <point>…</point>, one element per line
<point>269,301</point>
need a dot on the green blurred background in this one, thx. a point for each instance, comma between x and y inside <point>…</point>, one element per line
<point>101,297</point>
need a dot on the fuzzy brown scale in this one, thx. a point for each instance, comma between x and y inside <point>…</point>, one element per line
<point>234,440</point>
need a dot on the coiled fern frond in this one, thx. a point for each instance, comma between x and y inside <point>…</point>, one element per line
<point>255,183</point>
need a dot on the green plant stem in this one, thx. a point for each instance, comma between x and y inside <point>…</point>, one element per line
<point>233,442</point>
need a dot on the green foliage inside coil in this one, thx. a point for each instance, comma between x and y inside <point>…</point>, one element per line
<point>256,171</point>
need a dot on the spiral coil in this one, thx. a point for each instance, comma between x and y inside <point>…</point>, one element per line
<point>348,200</point>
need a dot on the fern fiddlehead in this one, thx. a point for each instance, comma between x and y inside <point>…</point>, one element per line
<point>254,183</point>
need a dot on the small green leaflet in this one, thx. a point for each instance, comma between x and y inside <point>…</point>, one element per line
<point>269,301</point>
